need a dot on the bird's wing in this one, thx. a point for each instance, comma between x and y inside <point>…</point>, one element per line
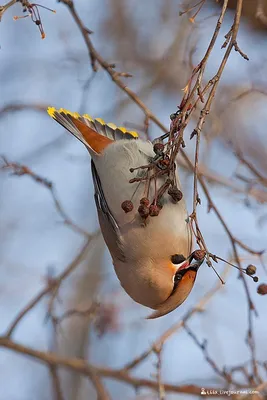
<point>109,227</point>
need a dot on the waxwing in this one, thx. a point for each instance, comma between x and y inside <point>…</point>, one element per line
<point>150,243</point>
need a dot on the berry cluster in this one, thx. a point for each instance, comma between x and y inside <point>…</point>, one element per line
<point>159,166</point>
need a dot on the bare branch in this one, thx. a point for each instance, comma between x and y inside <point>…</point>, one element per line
<point>19,170</point>
<point>89,370</point>
<point>52,286</point>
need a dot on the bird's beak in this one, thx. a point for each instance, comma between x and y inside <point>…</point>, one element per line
<point>187,272</point>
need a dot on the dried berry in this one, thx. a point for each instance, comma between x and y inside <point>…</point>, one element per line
<point>262,289</point>
<point>158,148</point>
<point>177,258</point>
<point>154,210</point>
<point>198,254</point>
<point>143,211</point>
<point>173,116</point>
<point>251,269</point>
<point>175,194</point>
<point>127,206</point>
<point>255,278</point>
<point>145,201</point>
<point>163,164</point>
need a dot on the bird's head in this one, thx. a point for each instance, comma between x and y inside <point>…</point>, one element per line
<point>185,272</point>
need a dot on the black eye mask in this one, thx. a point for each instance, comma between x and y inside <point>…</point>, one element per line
<point>179,274</point>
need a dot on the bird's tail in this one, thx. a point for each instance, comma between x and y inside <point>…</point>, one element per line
<point>84,128</point>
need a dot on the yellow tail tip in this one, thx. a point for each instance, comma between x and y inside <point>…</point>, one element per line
<point>51,111</point>
<point>100,120</point>
<point>134,134</point>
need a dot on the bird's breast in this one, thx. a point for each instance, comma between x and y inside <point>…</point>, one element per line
<point>163,235</point>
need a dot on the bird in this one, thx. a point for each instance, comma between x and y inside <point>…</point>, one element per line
<point>151,254</point>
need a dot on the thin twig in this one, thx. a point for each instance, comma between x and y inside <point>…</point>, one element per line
<point>19,170</point>
<point>58,395</point>
<point>52,286</point>
<point>203,347</point>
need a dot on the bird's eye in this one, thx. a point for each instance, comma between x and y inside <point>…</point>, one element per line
<point>177,278</point>
<point>177,258</point>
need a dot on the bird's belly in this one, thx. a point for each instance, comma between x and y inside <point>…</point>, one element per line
<point>166,234</point>
<point>159,237</point>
